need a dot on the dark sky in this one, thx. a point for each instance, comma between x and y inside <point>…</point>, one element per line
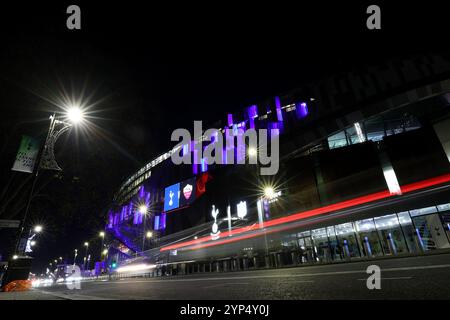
<point>155,68</point>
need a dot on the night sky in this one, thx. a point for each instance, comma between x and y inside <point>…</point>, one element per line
<point>151,69</point>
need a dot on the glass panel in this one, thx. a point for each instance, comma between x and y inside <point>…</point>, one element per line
<point>335,248</point>
<point>409,231</point>
<point>353,135</point>
<point>321,245</point>
<point>411,123</point>
<point>374,129</point>
<point>391,234</point>
<point>422,211</point>
<point>337,140</point>
<point>306,251</point>
<point>430,232</point>
<point>444,207</point>
<point>347,240</point>
<point>368,238</point>
<point>445,218</point>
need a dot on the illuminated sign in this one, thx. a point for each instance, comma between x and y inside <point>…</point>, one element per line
<point>172,197</point>
<point>187,194</point>
<point>215,227</point>
<point>242,209</point>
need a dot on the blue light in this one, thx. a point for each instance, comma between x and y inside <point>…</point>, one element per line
<point>302,109</point>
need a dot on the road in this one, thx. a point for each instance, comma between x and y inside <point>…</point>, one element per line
<point>425,277</point>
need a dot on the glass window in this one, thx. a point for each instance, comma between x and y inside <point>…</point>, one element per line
<point>353,135</point>
<point>408,231</point>
<point>444,207</point>
<point>335,248</point>
<point>368,238</point>
<point>321,245</point>
<point>337,140</point>
<point>404,218</point>
<point>391,235</point>
<point>347,240</point>
<point>374,129</point>
<point>430,232</point>
<point>422,211</point>
<point>394,126</point>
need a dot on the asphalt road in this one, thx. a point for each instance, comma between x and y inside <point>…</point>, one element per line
<point>425,277</point>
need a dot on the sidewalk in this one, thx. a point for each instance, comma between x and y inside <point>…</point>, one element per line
<point>28,295</point>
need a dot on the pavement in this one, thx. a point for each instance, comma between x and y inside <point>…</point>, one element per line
<point>423,277</point>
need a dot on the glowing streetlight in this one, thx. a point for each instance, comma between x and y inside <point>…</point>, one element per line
<point>15,257</point>
<point>149,234</point>
<point>102,234</point>
<point>269,192</point>
<point>86,244</point>
<point>142,209</point>
<point>75,257</point>
<point>37,229</point>
<point>33,243</point>
<point>105,252</point>
<point>75,115</point>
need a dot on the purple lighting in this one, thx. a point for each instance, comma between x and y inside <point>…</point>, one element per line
<point>204,166</point>
<point>278,108</point>
<point>302,109</point>
<point>230,119</point>
<point>156,224</point>
<point>252,112</point>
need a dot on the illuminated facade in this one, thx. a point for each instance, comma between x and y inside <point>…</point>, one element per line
<point>364,172</point>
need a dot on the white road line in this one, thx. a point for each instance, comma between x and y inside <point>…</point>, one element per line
<point>226,284</point>
<point>75,296</point>
<point>284,275</point>
<point>392,278</point>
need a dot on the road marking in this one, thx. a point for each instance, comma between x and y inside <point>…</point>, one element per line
<point>285,275</point>
<point>392,278</point>
<point>226,284</point>
<point>74,296</point>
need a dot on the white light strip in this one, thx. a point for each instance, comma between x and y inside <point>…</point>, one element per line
<point>136,267</point>
<point>391,180</point>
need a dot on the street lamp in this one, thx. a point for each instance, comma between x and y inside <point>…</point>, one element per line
<point>75,257</point>
<point>102,235</point>
<point>86,244</point>
<point>75,115</point>
<point>269,192</point>
<point>143,210</point>
<point>46,158</point>
<point>37,228</point>
<point>149,234</point>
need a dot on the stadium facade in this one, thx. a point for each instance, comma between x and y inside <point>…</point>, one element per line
<point>364,173</point>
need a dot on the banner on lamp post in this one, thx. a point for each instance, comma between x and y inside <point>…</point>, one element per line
<point>27,154</point>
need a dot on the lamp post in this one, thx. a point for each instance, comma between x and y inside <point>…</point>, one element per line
<point>102,235</point>
<point>143,210</point>
<point>75,257</point>
<point>46,156</point>
<point>86,244</point>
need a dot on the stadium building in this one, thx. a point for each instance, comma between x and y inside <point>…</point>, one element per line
<point>364,173</point>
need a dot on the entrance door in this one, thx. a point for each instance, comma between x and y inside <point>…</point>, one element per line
<point>306,249</point>
<point>368,238</point>
<point>347,240</point>
<point>391,235</point>
<point>431,232</point>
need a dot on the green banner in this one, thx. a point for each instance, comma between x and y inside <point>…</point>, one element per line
<point>27,154</point>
